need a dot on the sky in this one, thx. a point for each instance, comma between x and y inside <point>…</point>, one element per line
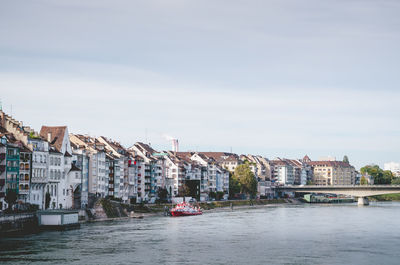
<point>277,78</point>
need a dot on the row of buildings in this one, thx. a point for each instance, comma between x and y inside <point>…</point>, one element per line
<point>53,168</point>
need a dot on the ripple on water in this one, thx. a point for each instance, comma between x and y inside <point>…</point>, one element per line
<point>301,234</point>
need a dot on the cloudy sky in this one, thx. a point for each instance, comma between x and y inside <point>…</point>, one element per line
<point>274,77</point>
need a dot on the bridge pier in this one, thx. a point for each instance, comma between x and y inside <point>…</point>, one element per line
<point>363,201</point>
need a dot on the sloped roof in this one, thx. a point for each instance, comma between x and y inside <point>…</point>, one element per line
<point>145,147</point>
<point>217,156</point>
<point>306,158</point>
<point>57,135</point>
<point>74,168</point>
<point>330,163</point>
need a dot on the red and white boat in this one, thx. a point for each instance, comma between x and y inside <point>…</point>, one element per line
<point>185,209</point>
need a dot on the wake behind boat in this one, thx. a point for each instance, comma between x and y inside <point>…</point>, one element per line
<point>185,209</point>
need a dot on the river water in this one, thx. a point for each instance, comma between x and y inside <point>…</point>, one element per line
<point>282,234</point>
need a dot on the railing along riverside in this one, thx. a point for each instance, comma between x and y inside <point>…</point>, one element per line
<point>14,217</point>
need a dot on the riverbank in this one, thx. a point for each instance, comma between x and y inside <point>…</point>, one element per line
<point>18,224</point>
<point>107,210</point>
<point>386,197</point>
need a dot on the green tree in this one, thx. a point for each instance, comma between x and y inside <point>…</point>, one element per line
<point>380,176</point>
<point>310,182</point>
<point>219,196</point>
<point>212,195</point>
<point>184,190</point>
<point>11,198</point>
<point>162,194</point>
<point>47,200</point>
<point>247,181</point>
<point>395,181</point>
<point>388,176</point>
<point>346,159</point>
<point>363,181</point>
<point>234,186</point>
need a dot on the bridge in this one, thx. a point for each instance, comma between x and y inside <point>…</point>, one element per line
<point>361,192</point>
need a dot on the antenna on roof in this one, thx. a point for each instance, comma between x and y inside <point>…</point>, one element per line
<point>145,132</point>
<point>1,106</point>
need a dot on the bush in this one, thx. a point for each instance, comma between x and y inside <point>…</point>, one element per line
<point>219,196</point>
<point>109,209</point>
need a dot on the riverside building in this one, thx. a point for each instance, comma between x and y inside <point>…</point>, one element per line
<point>328,173</point>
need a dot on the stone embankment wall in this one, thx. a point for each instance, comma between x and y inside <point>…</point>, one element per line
<point>18,223</point>
<point>104,208</point>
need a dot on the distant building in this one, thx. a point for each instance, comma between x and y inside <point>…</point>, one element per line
<point>151,175</point>
<point>3,151</point>
<point>25,171</point>
<point>326,173</point>
<point>282,172</point>
<point>61,187</point>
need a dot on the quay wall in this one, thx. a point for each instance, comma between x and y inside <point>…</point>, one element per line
<point>22,223</point>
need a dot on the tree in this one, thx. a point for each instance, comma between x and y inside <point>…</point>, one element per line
<point>363,181</point>
<point>346,159</point>
<point>212,195</point>
<point>310,182</point>
<point>234,186</point>
<point>184,190</point>
<point>219,195</point>
<point>47,201</point>
<point>247,180</point>
<point>395,181</point>
<point>11,198</point>
<point>162,194</point>
<point>380,176</point>
<point>388,176</point>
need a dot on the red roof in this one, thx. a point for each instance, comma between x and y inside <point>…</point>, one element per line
<point>329,163</point>
<point>57,135</point>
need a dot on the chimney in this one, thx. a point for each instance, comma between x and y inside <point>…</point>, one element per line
<point>175,145</point>
<point>49,137</point>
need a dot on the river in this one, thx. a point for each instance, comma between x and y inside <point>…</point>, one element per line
<point>279,234</point>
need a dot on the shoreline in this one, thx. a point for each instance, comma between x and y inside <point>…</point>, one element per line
<point>215,206</point>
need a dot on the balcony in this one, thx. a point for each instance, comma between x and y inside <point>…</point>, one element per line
<point>2,156</point>
<point>40,180</point>
<point>12,169</point>
<point>24,192</point>
<point>13,157</point>
<point>2,182</point>
<point>2,169</point>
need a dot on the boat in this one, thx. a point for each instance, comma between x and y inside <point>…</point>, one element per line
<point>327,198</point>
<point>185,209</point>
